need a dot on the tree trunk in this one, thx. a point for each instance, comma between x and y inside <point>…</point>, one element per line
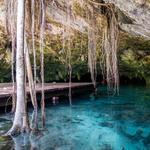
<point>20,120</point>
<point>42,60</point>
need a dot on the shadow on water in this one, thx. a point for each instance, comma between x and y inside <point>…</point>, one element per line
<point>94,122</point>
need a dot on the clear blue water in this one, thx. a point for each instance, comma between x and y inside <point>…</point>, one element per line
<point>92,123</point>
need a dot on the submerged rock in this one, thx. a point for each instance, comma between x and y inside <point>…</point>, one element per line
<point>106,147</point>
<point>106,124</point>
<point>134,138</point>
<point>146,140</point>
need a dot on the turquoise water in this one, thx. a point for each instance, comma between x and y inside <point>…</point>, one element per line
<point>92,123</point>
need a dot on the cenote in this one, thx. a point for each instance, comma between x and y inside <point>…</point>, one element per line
<point>93,122</point>
<point>67,70</point>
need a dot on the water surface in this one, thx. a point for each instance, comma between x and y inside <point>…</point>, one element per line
<point>93,123</point>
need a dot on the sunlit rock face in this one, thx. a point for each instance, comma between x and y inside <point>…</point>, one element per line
<point>56,11</point>
<point>134,16</point>
<point>140,2</point>
<point>139,12</point>
<point>2,13</point>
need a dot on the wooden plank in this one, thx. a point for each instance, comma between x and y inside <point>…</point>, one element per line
<point>51,89</point>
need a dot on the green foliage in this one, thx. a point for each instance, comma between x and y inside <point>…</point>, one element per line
<point>55,62</point>
<point>57,65</point>
<point>134,43</point>
<point>135,58</point>
<point>5,72</point>
<point>55,57</point>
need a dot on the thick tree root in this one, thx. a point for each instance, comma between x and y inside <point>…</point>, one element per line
<point>17,130</point>
<point>14,131</point>
<point>25,130</point>
<point>35,131</point>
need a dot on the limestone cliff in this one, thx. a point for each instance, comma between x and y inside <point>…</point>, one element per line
<point>138,12</point>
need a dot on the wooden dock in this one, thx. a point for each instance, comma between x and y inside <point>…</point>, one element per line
<point>50,90</point>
